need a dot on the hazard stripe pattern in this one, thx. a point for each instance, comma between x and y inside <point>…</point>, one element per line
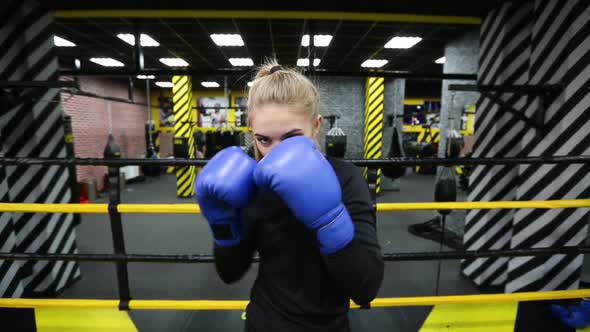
<point>183,127</point>
<point>531,43</point>
<point>33,128</point>
<point>373,129</point>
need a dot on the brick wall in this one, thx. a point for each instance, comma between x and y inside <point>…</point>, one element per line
<point>90,122</point>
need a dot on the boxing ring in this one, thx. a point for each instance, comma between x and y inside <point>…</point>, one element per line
<point>116,209</point>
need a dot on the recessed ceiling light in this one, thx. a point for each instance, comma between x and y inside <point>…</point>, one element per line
<point>440,60</point>
<point>318,40</point>
<point>250,84</point>
<point>174,62</point>
<point>107,62</point>
<point>227,39</point>
<point>402,42</point>
<point>210,84</point>
<point>165,84</point>
<point>145,40</point>
<point>146,77</point>
<point>241,62</point>
<point>304,62</point>
<point>374,63</point>
<point>60,42</point>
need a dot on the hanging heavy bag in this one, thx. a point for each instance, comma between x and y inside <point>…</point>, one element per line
<point>455,147</point>
<point>199,139</point>
<point>229,138</point>
<point>210,144</point>
<point>112,149</point>
<point>336,143</point>
<point>395,151</point>
<point>445,189</point>
<point>427,150</point>
<point>412,149</point>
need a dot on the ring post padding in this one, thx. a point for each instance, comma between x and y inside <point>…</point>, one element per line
<point>241,304</point>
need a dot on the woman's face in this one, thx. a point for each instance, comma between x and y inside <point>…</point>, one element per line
<point>272,123</point>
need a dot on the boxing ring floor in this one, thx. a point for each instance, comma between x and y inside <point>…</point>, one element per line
<point>179,234</point>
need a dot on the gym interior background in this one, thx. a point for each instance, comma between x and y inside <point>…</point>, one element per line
<point>494,79</point>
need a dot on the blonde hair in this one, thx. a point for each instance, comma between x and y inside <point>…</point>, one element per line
<point>278,85</point>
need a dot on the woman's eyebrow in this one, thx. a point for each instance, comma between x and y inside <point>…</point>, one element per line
<point>291,132</point>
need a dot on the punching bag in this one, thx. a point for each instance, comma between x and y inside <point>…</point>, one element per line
<point>455,147</point>
<point>395,151</point>
<point>412,149</point>
<point>445,189</point>
<point>336,143</point>
<point>112,149</point>
<point>151,135</point>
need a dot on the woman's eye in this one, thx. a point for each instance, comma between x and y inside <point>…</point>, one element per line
<point>263,140</point>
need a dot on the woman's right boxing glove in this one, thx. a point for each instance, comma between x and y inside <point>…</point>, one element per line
<point>223,188</point>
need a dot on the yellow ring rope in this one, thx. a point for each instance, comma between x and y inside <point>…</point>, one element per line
<point>241,304</point>
<point>381,207</point>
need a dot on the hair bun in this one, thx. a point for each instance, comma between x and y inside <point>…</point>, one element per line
<point>268,68</point>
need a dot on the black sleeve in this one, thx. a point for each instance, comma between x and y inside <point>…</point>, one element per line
<point>358,268</point>
<point>233,262</point>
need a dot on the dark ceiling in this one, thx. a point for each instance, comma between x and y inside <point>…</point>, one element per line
<point>424,7</point>
<point>353,41</point>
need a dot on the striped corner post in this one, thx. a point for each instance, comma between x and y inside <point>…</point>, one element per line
<point>560,53</point>
<point>184,119</point>
<point>35,128</point>
<point>10,285</point>
<point>373,130</point>
<point>497,135</point>
<point>531,43</point>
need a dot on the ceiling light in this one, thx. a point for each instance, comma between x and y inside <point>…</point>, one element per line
<point>60,42</point>
<point>243,62</point>
<point>318,40</point>
<point>146,40</point>
<point>174,62</point>
<point>165,84</point>
<point>227,39</point>
<point>250,84</point>
<point>440,60</point>
<point>374,63</point>
<point>107,62</point>
<point>210,84</point>
<point>146,77</point>
<point>304,62</point>
<point>402,42</point>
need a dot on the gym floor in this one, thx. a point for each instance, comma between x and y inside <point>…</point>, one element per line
<point>188,234</point>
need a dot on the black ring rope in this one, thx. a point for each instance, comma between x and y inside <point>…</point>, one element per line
<point>206,258</point>
<point>359,162</point>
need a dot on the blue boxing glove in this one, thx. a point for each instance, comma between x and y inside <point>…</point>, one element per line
<point>298,173</point>
<point>577,317</point>
<point>223,188</point>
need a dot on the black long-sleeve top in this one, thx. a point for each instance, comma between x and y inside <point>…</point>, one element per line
<point>298,288</point>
